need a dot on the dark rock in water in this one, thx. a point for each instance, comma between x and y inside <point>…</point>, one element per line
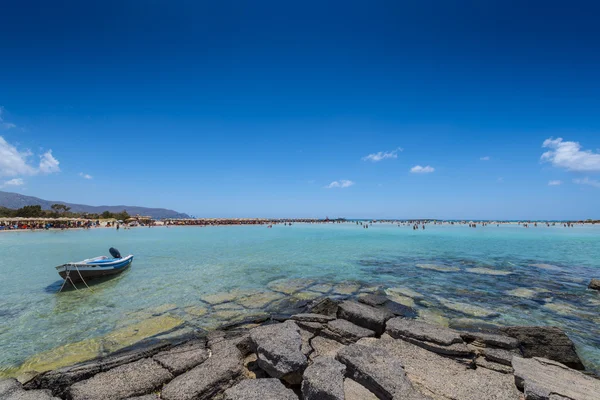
<point>183,358</point>
<point>11,389</point>
<point>372,300</point>
<point>345,331</point>
<point>594,284</point>
<point>400,310</point>
<point>220,371</point>
<point>547,342</point>
<point>324,380</point>
<point>312,318</point>
<point>325,306</point>
<point>364,315</point>
<point>260,389</point>
<point>377,370</point>
<point>542,379</point>
<point>133,379</point>
<point>279,351</point>
<point>60,379</point>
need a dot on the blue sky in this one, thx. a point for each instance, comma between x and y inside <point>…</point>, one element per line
<point>272,109</point>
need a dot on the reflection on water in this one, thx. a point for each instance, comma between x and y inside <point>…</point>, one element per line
<point>201,278</point>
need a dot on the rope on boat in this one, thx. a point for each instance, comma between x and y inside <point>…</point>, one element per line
<point>68,278</point>
<point>86,285</point>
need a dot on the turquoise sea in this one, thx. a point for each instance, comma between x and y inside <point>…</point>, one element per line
<point>199,277</point>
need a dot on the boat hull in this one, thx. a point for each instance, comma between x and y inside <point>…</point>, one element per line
<point>77,272</point>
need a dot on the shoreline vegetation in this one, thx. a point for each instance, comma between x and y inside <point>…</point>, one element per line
<point>363,347</point>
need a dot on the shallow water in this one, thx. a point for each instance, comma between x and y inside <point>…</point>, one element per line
<point>450,274</point>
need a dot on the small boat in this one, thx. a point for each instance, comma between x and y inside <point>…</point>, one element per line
<point>97,267</point>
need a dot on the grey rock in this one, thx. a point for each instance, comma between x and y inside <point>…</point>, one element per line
<point>219,341</point>
<point>364,315</point>
<point>499,356</point>
<point>310,317</point>
<point>219,372</point>
<point>372,300</point>
<point>314,327</point>
<point>422,331</point>
<point>182,358</point>
<point>324,347</point>
<point>325,306</point>
<point>400,310</point>
<point>60,379</point>
<point>11,389</point>
<point>594,284</point>
<point>489,339</point>
<point>355,391</point>
<point>378,371</point>
<point>279,350</point>
<point>543,379</point>
<point>483,363</point>
<point>345,331</point>
<point>134,379</point>
<point>443,377</point>
<point>145,397</point>
<point>546,342</point>
<point>306,337</point>
<point>260,389</point>
<point>324,380</point>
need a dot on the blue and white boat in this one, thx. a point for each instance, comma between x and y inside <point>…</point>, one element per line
<point>97,267</point>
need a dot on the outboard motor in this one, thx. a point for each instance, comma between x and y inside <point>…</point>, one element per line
<point>114,252</point>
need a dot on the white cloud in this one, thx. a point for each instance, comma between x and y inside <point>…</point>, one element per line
<point>486,158</point>
<point>14,162</point>
<point>5,125</point>
<point>343,183</point>
<point>569,155</point>
<point>587,181</point>
<point>554,183</point>
<point>13,182</point>
<point>85,176</point>
<point>417,169</point>
<point>382,155</point>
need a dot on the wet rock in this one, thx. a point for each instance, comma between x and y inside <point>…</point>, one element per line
<point>323,347</point>
<point>345,332</point>
<point>594,284</point>
<point>346,288</point>
<point>325,306</point>
<point>472,324</point>
<point>224,297</point>
<point>372,300</point>
<point>547,342</point>
<point>260,389</point>
<point>259,300</point>
<point>490,339</point>
<point>404,300</point>
<point>431,337</point>
<point>378,371</point>
<point>403,291</point>
<point>321,288</point>
<point>488,271</point>
<point>469,309</point>
<point>312,318</point>
<point>434,317</point>
<point>543,379</point>
<point>355,391</point>
<point>400,310</point>
<point>182,358</point>
<point>324,380</point>
<point>526,293</point>
<point>11,389</point>
<point>220,371</point>
<point>364,315</point>
<point>279,351</point>
<point>134,379</point>
<point>443,377</point>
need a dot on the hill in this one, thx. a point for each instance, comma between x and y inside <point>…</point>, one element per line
<point>17,200</point>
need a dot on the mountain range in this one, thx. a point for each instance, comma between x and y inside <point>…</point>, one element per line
<point>17,200</point>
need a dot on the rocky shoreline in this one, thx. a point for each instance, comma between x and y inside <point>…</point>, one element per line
<point>370,349</point>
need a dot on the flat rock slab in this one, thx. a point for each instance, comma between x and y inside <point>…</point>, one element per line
<point>345,331</point>
<point>210,378</point>
<point>145,397</point>
<point>11,389</point>
<point>372,300</point>
<point>324,380</point>
<point>543,379</point>
<point>419,330</point>
<point>260,389</point>
<point>442,377</point>
<point>355,391</point>
<point>310,317</point>
<point>378,371</point>
<point>546,342</point>
<point>490,340</point>
<point>323,347</point>
<point>182,358</point>
<point>134,379</point>
<point>363,315</point>
<point>400,310</point>
<point>279,350</point>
